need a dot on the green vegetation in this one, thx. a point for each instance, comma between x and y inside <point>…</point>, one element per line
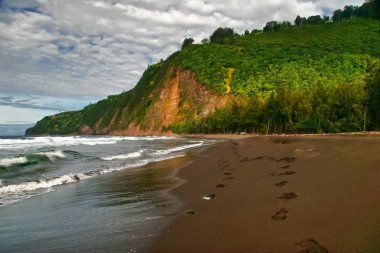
<point>315,76</point>
<point>222,35</point>
<point>373,101</point>
<point>62,123</point>
<point>186,42</point>
<point>308,78</point>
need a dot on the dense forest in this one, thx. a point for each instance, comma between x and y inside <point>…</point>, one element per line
<point>317,75</point>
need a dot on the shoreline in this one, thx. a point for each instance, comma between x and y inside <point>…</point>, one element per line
<point>228,136</point>
<point>279,194</point>
<point>247,135</point>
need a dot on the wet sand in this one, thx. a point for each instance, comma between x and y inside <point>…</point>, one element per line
<point>280,194</point>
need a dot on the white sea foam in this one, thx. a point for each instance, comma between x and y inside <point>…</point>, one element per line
<point>176,149</point>
<point>42,184</point>
<point>15,192</point>
<point>53,154</point>
<point>71,178</point>
<point>138,164</point>
<point>45,141</point>
<point>6,162</point>
<point>125,156</point>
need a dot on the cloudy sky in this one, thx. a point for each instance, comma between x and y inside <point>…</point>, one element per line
<point>58,55</point>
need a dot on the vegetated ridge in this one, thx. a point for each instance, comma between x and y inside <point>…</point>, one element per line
<point>320,75</point>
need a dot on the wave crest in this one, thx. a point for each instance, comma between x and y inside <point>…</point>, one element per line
<point>7,162</point>
<point>52,155</point>
<point>180,148</point>
<point>33,158</point>
<point>126,156</point>
<point>42,184</point>
<point>55,141</point>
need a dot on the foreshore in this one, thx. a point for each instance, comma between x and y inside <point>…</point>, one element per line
<point>280,194</point>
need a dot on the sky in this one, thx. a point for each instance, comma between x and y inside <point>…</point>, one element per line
<point>61,55</point>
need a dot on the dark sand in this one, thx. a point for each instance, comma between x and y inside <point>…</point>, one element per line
<point>280,194</point>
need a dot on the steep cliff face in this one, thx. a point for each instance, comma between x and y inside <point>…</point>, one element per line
<point>180,98</point>
<point>150,108</point>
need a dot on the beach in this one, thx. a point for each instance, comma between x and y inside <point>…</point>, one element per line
<point>279,194</point>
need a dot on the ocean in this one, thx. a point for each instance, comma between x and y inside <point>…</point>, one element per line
<point>88,193</point>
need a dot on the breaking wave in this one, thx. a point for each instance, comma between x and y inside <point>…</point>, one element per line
<point>180,148</point>
<point>12,191</point>
<point>37,142</point>
<point>33,158</point>
<point>7,162</point>
<point>125,156</point>
<point>28,189</point>
<point>42,184</point>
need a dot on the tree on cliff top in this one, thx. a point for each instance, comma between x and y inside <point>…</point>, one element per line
<point>186,42</point>
<point>222,35</point>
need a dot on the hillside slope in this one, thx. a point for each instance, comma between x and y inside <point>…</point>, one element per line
<point>299,79</point>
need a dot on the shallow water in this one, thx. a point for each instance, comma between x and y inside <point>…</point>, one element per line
<point>82,206</point>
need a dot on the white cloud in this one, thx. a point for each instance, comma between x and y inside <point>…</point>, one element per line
<point>96,48</point>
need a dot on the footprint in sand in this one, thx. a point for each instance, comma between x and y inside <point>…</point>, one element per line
<point>311,246</point>
<point>224,167</point>
<point>190,212</point>
<point>259,158</point>
<point>280,215</point>
<point>287,159</point>
<point>288,195</point>
<point>247,159</point>
<point>285,167</point>
<point>281,184</point>
<point>227,174</point>
<point>287,173</point>
<point>220,186</point>
<point>271,158</point>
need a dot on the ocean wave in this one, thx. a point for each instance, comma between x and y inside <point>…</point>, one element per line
<point>52,155</point>
<point>26,187</point>
<point>176,149</point>
<point>33,158</point>
<point>42,184</point>
<point>7,162</point>
<point>125,156</point>
<point>16,192</point>
<point>36,142</point>
<point>137,164</point>
<point>70,141</point>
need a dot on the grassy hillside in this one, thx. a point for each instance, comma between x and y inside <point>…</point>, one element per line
<point>311,78</point>
<point>297,79</point>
